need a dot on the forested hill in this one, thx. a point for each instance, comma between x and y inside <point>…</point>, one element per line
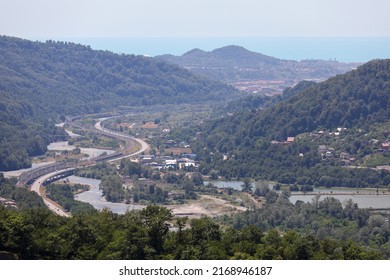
<point>71,78</point>
<point>223,57</point>
<point>234,64</point>
<point>39,82</point>
<point>358,100</point>
<point>360,97</point>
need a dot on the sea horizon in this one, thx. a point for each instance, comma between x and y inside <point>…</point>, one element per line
<point>343,49</point>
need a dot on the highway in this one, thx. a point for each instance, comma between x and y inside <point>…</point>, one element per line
<point>37,187</point>
<point>47,174</point>
<point>142,143</point>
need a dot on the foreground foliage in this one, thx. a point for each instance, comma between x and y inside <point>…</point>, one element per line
<point>145,234</point>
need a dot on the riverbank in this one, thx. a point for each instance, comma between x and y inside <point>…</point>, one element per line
<point>94,196</point>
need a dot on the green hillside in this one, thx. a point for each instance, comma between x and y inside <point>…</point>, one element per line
<point>358,101</point>
<point>42,82</point>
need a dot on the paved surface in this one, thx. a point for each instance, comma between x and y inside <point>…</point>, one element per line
<point>38,188</point>
<point>142,143</point>
<point>55,207</point>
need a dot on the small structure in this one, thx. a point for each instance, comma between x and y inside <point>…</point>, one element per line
<point>345,156</point>
<point>8,202</point>
<point>385,146</point>
<point>322,149</point>
<point>190,156</point>
<point>170,143</point>
<point>290,139</point>
<point>171,163</point>
<point>147,158</point>
<point>185,162</point>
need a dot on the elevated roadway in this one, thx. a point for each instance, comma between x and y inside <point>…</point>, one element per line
<point>37,187</point>
<point>41,175</point>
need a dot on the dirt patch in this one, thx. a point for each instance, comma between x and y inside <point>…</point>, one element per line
<point>206,206</point>
<point>125,125</point>
<point>149,125</point>
<point>177,151</point>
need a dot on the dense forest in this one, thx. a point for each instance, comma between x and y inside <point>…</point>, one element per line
<point>239,144</point>
<point>24,198</point>
<point>321,218</point>
<point>43,82</point>
<point>358,98</point>
<point>146,234</point>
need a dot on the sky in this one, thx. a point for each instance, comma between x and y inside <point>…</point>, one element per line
<point>193,18</point>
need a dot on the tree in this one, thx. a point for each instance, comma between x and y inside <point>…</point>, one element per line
<point>247,185</point>
<point>181,223</point>
<point>204,229</point>
<point>197,179</point>
<point>156,218</point>
<point>262,188</point>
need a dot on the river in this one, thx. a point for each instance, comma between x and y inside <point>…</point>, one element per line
<point>373,201</point>
<point>94,196</point>
<point>363,200</point>
<point>235,185</point>
<point>64,146</point>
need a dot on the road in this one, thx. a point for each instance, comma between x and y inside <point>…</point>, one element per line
<point>142,143</point>
<point>37,187</point>
<point>55,207</point>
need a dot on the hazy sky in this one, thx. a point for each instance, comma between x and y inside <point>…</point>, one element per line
<point>193,18</point>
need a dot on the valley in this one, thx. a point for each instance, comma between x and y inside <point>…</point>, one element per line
<point>137,158</point>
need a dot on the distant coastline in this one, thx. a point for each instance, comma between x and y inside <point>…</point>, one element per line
<point>343,49</point>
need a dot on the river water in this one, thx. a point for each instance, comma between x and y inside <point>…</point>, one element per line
<point>235,185</point>
<point>64,146</point>
<point>363,200</point>
<point>94,196</point>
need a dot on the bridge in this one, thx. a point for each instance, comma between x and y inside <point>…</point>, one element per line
<point>46,174</point>
<point>131,142</point>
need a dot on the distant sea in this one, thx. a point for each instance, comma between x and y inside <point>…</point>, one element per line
<point>345,49</point>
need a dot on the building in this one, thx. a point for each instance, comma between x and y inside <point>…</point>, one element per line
<point>290,139</point>
<point>8,202</point>
<point>185,163</point>
<point>171,163</point>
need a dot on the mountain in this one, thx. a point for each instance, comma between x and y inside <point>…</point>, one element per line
<point>41,82</point>
<point>227,56</point>
<point>250,71</point>
<point>99,79</point>
<point>255,140</point>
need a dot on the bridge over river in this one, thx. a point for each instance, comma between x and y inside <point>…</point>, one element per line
<point>40,176</point>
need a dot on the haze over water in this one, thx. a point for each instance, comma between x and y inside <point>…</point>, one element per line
<point>343,49</point>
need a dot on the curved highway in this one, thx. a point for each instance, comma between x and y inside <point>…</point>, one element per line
<point>37,187</point>
<point>55,207</point>
<point>142,143</point>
